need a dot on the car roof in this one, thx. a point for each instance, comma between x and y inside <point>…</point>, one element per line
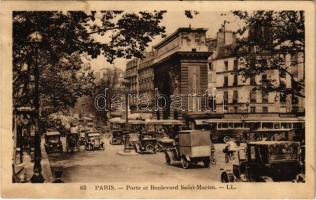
<point>270,130</point>
<point>93,133</point>
<point>164,121</point>
<point>52,133</point>
<point>190,131</point>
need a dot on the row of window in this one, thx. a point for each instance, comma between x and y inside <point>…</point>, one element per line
<point>146,84</point>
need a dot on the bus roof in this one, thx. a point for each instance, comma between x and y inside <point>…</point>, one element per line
<point>272,142</point>
<point>252,119</point>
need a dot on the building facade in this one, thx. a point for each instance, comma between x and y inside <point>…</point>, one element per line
<point>180,70</point>
<point>234,94</point>
<point>131,76</point>
<point>146,90</point>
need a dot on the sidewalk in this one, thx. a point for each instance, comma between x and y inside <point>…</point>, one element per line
<point>28,164</point>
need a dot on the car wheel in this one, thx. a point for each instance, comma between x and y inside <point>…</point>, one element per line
<point>227,177</point>
<point>224,178</point>
<point>150,148</point>
<point>168,160</point>
<point>185,163</point>
<point>207,162</point>
<point>213,161</point>
<point>226,139</point>
<point>227,158</point>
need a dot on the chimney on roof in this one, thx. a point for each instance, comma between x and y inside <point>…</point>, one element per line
<point>225,38</point>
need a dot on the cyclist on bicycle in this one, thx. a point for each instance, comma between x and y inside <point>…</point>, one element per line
<point>229,150</point>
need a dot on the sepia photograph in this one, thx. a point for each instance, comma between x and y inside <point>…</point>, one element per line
<point>150,96</point>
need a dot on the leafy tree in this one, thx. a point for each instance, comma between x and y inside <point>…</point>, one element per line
<point>66,38</point>
<point>271,36</point>
<point>111,82</point>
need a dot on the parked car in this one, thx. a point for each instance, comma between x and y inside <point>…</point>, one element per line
<point>147,143</point>
<point>53,142</point>
<point>82,135</point>
<point>263,161</point>
<point>116,137</point>
<point>93,141</point>
<point>191,147</point>
<point>72,142</point>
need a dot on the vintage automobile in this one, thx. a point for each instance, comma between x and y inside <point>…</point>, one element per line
<point>53,142</point>
<point>228,134</point>
<point>165,143</point>
<point>93,141</point>
<point>263,161</point>
<point>116,137</point>
<point>191,147</point>
<point>82,135</point>
<point>72,142</point>
<point>147,143</point>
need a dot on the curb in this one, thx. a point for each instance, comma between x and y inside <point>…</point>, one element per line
<point>46,169</point>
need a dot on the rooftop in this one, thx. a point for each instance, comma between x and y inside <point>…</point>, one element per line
<point>176,33</point>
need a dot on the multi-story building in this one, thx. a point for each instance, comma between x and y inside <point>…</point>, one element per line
<point>177,66</point>
<point>180,70</point>
<point>234,94</point>
<point>131,76</point>
<point>146,90</point>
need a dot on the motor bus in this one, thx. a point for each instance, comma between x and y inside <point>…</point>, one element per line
<point>266,128</point>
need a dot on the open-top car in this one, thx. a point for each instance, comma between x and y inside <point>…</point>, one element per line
<point>93,141</point>
<point>116,137</point>
<point>53,142</point>
<point>191,147</point>
<point>263,161</point>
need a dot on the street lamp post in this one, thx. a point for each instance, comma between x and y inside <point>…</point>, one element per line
<point>83,113</point>
<point>37,177</point>
<point>127,147</point>
<point>126,83</point>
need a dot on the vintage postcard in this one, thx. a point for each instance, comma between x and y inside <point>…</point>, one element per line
<point>157,99</point>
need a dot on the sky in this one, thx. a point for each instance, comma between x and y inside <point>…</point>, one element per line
<point>172,21</point>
